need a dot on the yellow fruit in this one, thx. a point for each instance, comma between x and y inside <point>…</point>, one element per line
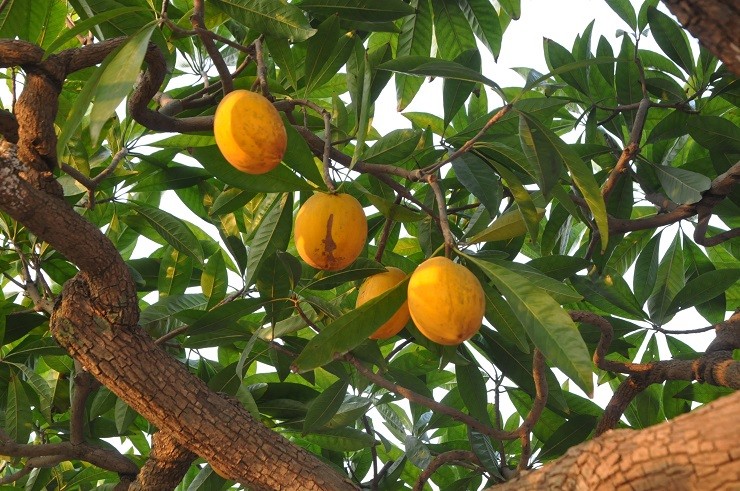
<point>249,132</point>
<point>330,230</point>
<point>374,286</point>
<point>446,301</point>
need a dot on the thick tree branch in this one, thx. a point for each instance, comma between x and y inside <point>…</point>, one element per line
<point>167,464</point>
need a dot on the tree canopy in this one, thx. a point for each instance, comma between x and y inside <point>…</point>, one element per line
<point>145,347</point>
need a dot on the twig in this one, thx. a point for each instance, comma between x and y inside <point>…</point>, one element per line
<point>84,384</point>
<point>261,68</point>
<point>468,144</point>
<point>442,459</point>
<point>91,184</point>
<point>383,240</point>
<point>540,385</point>
<point>373,453</point>
<point>223,71</point>
<point>442,209</point>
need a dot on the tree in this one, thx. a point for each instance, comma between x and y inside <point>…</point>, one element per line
<point>100,342</point>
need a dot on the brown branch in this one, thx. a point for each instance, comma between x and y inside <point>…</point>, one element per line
<point>166,466</point>
<point>427,402</point>
<point>105,458</point>
<point>418,175</point>
<point>540,400</point>
<point>385,233</point>
<point>450,457</point>
<point>223,71</point>
<point>84,384</point>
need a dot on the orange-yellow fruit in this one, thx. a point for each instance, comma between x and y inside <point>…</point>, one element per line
<point>374,286</point>
<point>249,132</point>
<point>446,301</point>
<point>330,230</point>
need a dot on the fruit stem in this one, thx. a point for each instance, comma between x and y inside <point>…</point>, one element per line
<point>327,150</point>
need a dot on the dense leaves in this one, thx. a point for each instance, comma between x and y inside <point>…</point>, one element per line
<point>213,255</point>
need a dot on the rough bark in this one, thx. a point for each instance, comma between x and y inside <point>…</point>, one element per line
<point>715,24</point>
<point>167,464</point>
<point>96,321</point>
<point>696,451</point>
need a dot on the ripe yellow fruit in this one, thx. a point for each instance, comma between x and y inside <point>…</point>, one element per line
<point>330,230</point>
<point>376,285</point>
<point>249,132</point>
<point>446,301</point>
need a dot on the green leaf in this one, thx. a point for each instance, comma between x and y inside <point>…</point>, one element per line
<point>571,433</point>
<point>682,186</point>
<point>224,315</point>
<point>456,92</point>
<point>704,287</point>
<point>451,29</point>
<point>671,39</point>
<point>512,7</point>
<point>272,235</point>
<point>522,197</point>
<point>669,281</point>
<point>479,179</point>
<point>546,323</point>
<point>714,132</point>
<point>18,416</point>
<point>433,67</point>
<point>175,271</point>
<point>473,391</point>
<point>277,19</point>
<point>646,270</point>
<point>393,147</point>
<point>583,177</point>
<point>350,330</point>
<point>117,78</point>
<point>360,269</point>
<point>358,10</point>
<point>500,315</point>
<point>214,280</point>
<point>414,39</point>
<point>364,105</point>
<point>509,225</point>
<point>280,179</point>
<point>83,26</point>
<point>609,293</point>
<point>327,51</point>
<point>172,229</point>
<point>325,406</point>
<point>341,439</point>
<point>625,10</point>
<point>541,153</point>
<point>483,19</point>
<point>298,156</point>
<point>557,56</point>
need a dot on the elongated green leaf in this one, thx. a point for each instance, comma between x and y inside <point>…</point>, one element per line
<point>625,10</point>
<point>473,391</point>
<point>172,229</point>
<point>479,179</point>
<point>175,271</point>
<point>557,56</point>
<point>118,78</point>
<point>509,225</point>
<point>451,29</point>
<point>626,252</point>
<point>414,39</point>
<point>224,315</point>
<point>548,153</point>
<point>40,387</point>
<point>546,323</point>
<point>341,439</point>
<point>714,132</point>
<point>358,10</point>
<point>360,269</point>
<point>646,270</point>
<point>86,25</point>
<point>18,417</point>
<point>325,406</point>
<point>299,157</point>
<point>703,288</point>
<point>609,293</point>
<point>680,185</point>
<point>512,7</point>
<point>669,281</point>
<point>327,51</point>
<point>350,330</point>
<point>280,179</point>
<point>432,67</point>
<point>267,17</point>
<point>671,39</point>
<point>214,280</point>
<point>456,92</point>
<point>482,17</point>
<point>273,234</point>
<point>394,147</point>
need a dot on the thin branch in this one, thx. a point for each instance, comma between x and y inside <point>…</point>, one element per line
<point>442,210</point>
<point>223,71</point>
<point>450,457</point>
<point>468,144</point>
<point>373,453</point>
<point>84,384</point>
<point>540,400</point>
<point>383,240</point>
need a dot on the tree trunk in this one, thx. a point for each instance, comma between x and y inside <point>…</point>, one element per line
<point>696,451</point>
<point>715,23</point>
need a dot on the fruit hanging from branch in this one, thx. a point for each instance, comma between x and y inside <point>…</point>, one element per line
<point>446,301</point>
<point>249,132</point>
<point>374,286</point>
<point>330,230</point>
